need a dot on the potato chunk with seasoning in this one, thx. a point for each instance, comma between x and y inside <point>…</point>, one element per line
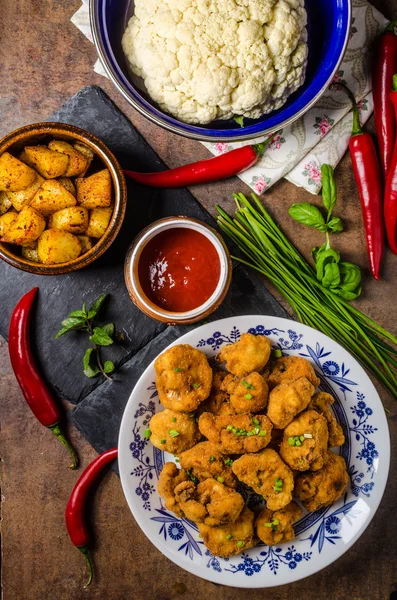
<point>305,442</point>
<point>6,221</point>
<point>322,488</point>
<point>236,434</point>
<point>267,474</point>
<point>55,246</point>
<point>287,400</point>
<point>14,174</point>
<point>248,394</point>
<point>26,228</point>
<point>205,460</point>
<point>183,378</point>
<point>95,191</point>
<point>77,161</point>
<point>249,354</point>
<point>276,527</point>
<point>5,203</point>
<point>230,539</point>
<point>73,219</point>
<point>48,163</point>
<point>23,197</point>
<point>30,253</point>
<point>173,432</point>
<point>291,368</point>
<point>98,221</point>
<point>209,502</point>
<point>68,184</point>
<point>86,243</point>
<point>321,403</point>
<point>169,478</point>
<point>52,197</point>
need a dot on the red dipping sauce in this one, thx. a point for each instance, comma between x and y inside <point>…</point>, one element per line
<point>179,269</point>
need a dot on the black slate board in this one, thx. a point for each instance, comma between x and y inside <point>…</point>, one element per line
<point>101,404</point>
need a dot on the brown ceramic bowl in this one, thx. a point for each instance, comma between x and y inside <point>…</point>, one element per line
<point>42,133</point>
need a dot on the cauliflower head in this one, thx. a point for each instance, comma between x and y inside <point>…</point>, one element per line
<point>202,60</point>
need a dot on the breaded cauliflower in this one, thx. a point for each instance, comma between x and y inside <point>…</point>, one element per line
<point>236,434</point>
<point>218,401</point>
<point>206,460</point>
<point>321,403</point>
<point>305,442</point>
<point>209,502</point>
<point>291,368</point>
<point>267,475</point>
<point>169,478</point>
<point>247,394</point>
<point>249,354</point>
<point>173,431</point>
<point>230,539</point>
<point>287,400</point>
<point>275,527</point>
<point>322,488</point>
<point>183,378</point>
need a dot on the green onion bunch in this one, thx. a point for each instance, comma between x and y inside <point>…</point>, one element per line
<point>272,254</point>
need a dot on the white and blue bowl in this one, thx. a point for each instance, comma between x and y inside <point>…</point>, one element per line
<point>328,35</point>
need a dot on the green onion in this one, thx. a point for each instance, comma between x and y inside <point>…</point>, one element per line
<point>262,433</point>
<point>255,421</point>
<point>291,441</point>
<point>275,522</point>
<point>178,370</point>
<point>248,396</point>
<point>212,458</point>
<point>302,438</point>
<point>307,436</point>
<point>278,485</point>
<point>229,427</point>
<point>228,461</point>
<point>240,543</point>
<point>162,441</point>
<point>147,433</point>
<point>173,419</point>
<point>192,415</point>
<point>298,443</point>
<point>173,433</point>
<point>248,386</point>
<point>277,353</point>
<point>268,251</point>
<point>196,386</point>
<point>220,479</point>
<point>229,536</point>
<point>192,477</point>
<point>267,525</point>
<point>176,459</point>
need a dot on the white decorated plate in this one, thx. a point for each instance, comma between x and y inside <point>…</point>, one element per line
<point>321,537</point>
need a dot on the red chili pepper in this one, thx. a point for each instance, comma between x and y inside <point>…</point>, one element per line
<point>204,171</point>
<point>390,204</point>
<point>369,183</point>
<point>74,513</point>
<point>384,67</point>
<point>34,388</point>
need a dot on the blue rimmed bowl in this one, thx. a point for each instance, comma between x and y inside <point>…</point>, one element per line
<point>328,35</point>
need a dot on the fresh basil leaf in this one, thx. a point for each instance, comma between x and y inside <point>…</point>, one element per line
<point>96,305</point>
<point>109,329</point>
<point>77,313</point>
<point>317,250</point>
<point>74,322</point>
<point>350,276</point>
<point>62,331</point>
<point>239,120</point>
<point>325,257</point>
<point>331,277</point>
<point>108,366</point>
<point>329,189</point>
<point>89,370</point>
<point>335,225</point>
<point>346,295</point>
<point>308,214</point>
<point>100,337</point>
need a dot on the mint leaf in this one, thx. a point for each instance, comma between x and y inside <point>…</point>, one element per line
<point>62,331</point>
<point>239,120</point>
<point>95,306</point>
<point>108,366</point>
<point>77,313</point>
<point>109,329</point>
<point>89,371</point>
<point>100,337</point>
<point>74,323</point>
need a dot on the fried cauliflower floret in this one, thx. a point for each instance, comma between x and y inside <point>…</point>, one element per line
<point>218,401</point>
<point>267,474</point>
<point>232,538</point>
<point>173,431</point>
<point>323,487</point>
<point>291,368</point>
<point>206,460</point>
<point>169,478</point>
<point>305,442</point>
<point>276,527</point>
<point>183,378</point>
<point>250,354</point>
<point>236,434</point>
<point>321,403</point>
<point>209,502</point>
<point>248,394</point>
<point>287,400</point>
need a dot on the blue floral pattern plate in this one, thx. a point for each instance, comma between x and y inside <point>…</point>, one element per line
<point>321,537</point>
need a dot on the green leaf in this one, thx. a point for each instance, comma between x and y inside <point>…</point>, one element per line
<point>78,313</point>
<point>84,309</point>
<point>325,257</point>
<point>100,337</point>
<point>74,323</point>
<point>347,295</point>
<point>308,214</point>
<point>95,306</point>
<point>316,251</point>
<point>329,189</point>
<point>109,329</point>
<point>87,357</point>
<point>335,225</point>
<point>331,277</point>
<point>350,276</point>
<point>239,120</point>
<point>62,331</point>
<point>89,370</point>
<point>108,366</point>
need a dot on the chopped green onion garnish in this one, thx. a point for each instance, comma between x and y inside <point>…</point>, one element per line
<point>255,421</point>
<point>308,436</point>
<point>196,386</point>
<point>173,433</point>
<point>277,353</point>
<point>291,441</point>
<point>240,544</point>
<point>275,522</point>
<point>229,427</point>
<point>192,415</point>
<point>248,396</point>
<point>178,370</point>
<point>220,479</point>
<point>192,477</point>
<point>228,461</point>
<point>267,525</point>
<point>256,430</point>
<point>173,419</point>
<point>147,433</point>
<point>229,536</point>
<point>249,433</point>
<point>162,441</point>
<point>212,458</point>
<point>262,433</point>
<point>298,443</point>
<point>278,485</point>
<point>176,459</point>
<point>302,438</point>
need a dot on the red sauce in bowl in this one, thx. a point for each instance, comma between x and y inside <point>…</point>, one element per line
<point>179,269</point>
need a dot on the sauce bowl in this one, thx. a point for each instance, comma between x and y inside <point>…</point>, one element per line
<point>134,286</point>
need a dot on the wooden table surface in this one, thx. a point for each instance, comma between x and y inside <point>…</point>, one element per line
<point>44,60</point>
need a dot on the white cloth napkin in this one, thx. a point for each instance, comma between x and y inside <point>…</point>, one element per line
<point>322,134</point>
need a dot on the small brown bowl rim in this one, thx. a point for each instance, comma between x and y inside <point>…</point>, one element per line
<point>119,186</point>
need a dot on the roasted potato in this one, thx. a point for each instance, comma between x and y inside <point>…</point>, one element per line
<point>6,221</point>
<point>52,197</point>
<point>14,174</point>
<point>88,153</point>
<point>77,161</point>
<point>95,191</point>
<point>98,222</point>
<point>5,202</point>
<point>56,246</point>
<point>86,243</point>
<point>73,219</point>
<point>30,253</point>
<point>23,197</point>
<point>48,163</point>
<point>26,228</point>
<point>68,184</point>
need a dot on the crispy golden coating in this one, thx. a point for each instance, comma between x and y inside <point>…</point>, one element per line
<point>276,527</point>
<point>206,460</point>
<point>173,431</point>
<point>227,540</point>
<point>291,368</point>
<point>236,434</point>
<point>321,403</point>
<point>323,487</point>
<point>302,453</point>
<point>250,354</point>
<point>287,400</point>
<point>247,394</point>
<point>218,401</point>
<point>209,502</point>
<point>263,472</point>
<point>183,378</point>
<point>169,478</point>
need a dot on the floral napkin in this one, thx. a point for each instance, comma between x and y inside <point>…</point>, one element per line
<point>322,134</point>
